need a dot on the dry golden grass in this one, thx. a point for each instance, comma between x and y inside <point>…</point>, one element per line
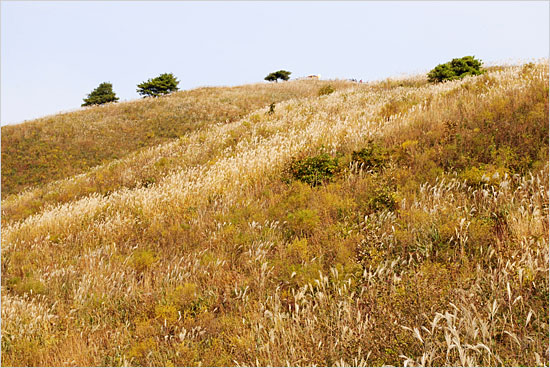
<point>204,252</point>
<point>59,146</point>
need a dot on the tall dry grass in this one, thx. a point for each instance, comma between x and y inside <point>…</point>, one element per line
<point>59,146</point>
<point>440,258</point>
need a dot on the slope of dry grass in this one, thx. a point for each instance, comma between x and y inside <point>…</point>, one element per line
<point>438,256</point>
<point>146,166</point>
<point>55,147</point>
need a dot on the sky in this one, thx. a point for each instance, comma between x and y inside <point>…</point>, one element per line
<point>53,54</point>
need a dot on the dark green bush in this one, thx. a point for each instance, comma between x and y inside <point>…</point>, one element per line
<point>383,199</point>
<point>161,85</point>
<point>280,74</point>
<point>372,157</point>
<point>102,94</point>
<point>314,170</point>
<point>455,69</point>
<point>326,90</point>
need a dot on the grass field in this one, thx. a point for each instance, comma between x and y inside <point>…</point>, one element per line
<point>60,146</point>
<point>388,223</point>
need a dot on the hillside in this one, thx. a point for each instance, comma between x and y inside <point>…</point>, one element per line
<point>388,223</point>
<point>60,146</point>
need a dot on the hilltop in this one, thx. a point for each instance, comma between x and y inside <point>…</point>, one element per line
<point>389,223</point>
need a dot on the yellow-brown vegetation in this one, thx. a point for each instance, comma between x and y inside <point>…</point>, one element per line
<point>59,146</point>
<point>428,246</point>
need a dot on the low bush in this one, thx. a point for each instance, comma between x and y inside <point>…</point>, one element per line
<point>455,69</point>
<point>315,170</point>
<point>372,157</point>
<point>383,199</point>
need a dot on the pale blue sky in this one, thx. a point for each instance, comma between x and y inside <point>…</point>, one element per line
<point>54,53</point>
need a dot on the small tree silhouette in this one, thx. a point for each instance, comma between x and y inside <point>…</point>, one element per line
<point>161,85</point>
<point>102,94</point>
<point>280,74</point>
<point>455,69</point>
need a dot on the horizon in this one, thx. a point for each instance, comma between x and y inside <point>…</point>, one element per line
<point>214,44</point>
<point>137,98</point>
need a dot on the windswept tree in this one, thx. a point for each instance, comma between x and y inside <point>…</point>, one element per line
<point>456,69</point>
<point>284,75</point>
<point>162,85</point>
<point>271,77</point>
<point>102,94</point>
<point>280,74</point>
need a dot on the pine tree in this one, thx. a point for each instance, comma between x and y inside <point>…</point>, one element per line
<point>280,74</point>
<point>455,69</point>
<point>102,94</point>
<point>161,85</point>
<point>271,77</point>
<point>283,74</point>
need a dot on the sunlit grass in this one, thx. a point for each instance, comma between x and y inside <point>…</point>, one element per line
<point>427,246</point>
<point>56,147</point>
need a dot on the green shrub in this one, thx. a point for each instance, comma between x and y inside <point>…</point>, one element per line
<point>314,170</point>
<point>161,85</point>
<point>372,157</point>
<point>102,94</point>
<point>280,74</point>
<point>326,90</point>
<point>383,199</point>
<point>455,69</point>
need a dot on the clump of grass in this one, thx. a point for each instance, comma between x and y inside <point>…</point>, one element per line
<point>27,285</point>
<point>326,90</point>
<point>373,157</point>
<point>142,260</point>
<point>383,199</point>
<point>303,222</point>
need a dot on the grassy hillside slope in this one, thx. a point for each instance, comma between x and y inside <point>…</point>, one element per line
<point>59,146</point>
<point>146,166</point>
<point>425,240</point>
